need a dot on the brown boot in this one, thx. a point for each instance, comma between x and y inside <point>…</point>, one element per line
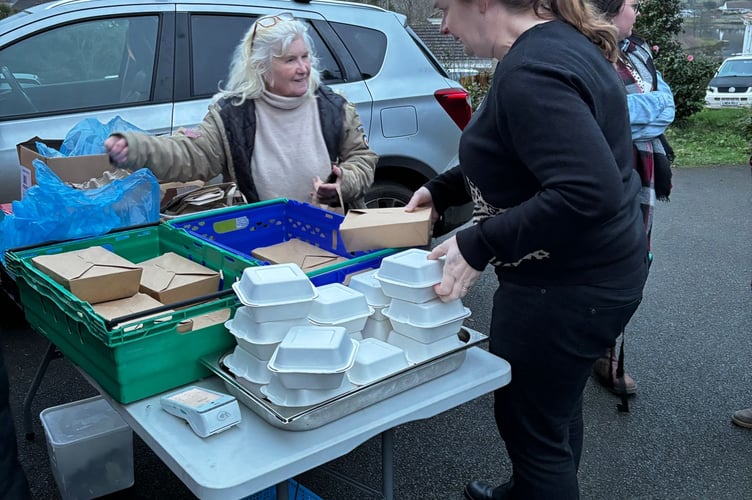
<point>604,371</point>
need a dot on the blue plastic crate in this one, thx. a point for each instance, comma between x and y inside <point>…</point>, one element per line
<point>296,491</point>
<point>239,230</point>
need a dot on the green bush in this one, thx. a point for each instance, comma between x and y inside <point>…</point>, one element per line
<point>688,75</point>
<point>5,10</point>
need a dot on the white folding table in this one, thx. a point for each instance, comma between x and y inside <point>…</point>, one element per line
<point>254,455</point>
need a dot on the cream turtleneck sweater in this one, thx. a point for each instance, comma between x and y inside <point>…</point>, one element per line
<point>289,149</point>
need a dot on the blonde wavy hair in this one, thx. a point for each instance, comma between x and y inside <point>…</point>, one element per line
<point>252,59</point>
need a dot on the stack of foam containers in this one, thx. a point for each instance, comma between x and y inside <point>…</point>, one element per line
<point>275,298</point>
<point>377,325</point>
<point>422,325</point>
<point>339,305</point>
<point>310,365</point>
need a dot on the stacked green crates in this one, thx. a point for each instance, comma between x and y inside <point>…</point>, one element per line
<point>143,356</point>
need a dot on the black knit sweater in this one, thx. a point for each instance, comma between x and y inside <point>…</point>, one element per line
<point>547,159</point>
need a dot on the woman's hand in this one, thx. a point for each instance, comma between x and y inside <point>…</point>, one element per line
<point>327,191</point>
<point>458,276</point>
<point>117,147</point>
<point>422,198</point>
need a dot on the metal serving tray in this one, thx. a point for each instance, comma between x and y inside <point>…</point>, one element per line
<point>359,397</point>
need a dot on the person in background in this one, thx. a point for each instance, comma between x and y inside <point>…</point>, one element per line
<point>557,215</point>
<point>275,130</point>
<point>651,111</point>
<point>13,484</point>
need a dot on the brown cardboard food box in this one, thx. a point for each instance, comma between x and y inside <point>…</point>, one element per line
<point>172,278</point>
<point>129,305</point>
<point>308,257</point>
<point>75,169</point>
<point>92,274</point>
<point>374,228</point>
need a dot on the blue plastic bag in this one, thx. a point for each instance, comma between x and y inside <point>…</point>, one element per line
<point>87,137</point>
<point>53,211</point>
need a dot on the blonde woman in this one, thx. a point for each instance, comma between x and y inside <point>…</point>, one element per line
<point>275,130</point>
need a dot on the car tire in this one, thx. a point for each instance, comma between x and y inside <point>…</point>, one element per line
<point>384,194</point>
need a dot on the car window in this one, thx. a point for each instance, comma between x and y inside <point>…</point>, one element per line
<point>739,67</point>
<point>367,46</point>
<point>213,41</point>
<point>85,65</point>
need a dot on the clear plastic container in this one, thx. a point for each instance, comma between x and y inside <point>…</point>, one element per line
<point>376,359</point>
<point>90,448</point>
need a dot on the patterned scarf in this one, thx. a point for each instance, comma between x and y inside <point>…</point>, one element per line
<point>637,73</point>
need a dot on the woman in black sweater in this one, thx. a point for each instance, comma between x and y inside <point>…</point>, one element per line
<point>547,160</point>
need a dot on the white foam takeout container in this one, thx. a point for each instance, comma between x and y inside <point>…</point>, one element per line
<point>428,334</point>
<point>277,291</point>
<point>339,305</point>
<point>280,395</point>
<point>244,364</point>
<point>262,350</point>
<point>376,359</point>
<point>410,267</point>
<point>313,357</point>
<point>376,328</point>
<point>409,275</point>
<point>418,352</point>
<point>428,321</point>
<point>243,325</point>
<point>367,284</point>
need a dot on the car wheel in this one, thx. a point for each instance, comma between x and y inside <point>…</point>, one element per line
<point>384,194</point>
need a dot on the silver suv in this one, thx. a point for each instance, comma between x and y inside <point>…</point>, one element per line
<point>156,64</point>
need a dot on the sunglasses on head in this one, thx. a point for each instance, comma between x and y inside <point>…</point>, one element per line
<point>269,21</point>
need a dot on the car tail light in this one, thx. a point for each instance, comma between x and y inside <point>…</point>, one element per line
<point>455,102</point>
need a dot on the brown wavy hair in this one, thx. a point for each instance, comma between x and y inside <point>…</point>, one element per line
<point>578,13</point>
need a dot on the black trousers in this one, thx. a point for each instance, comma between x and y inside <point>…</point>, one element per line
<point>13,485</point>
<point>551,336</point>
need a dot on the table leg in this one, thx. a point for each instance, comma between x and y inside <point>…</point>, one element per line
<point>387,463</point>
<point>282,491</point>
<point>49,355</point>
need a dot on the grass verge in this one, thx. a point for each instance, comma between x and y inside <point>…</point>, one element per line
<point>712,137</point>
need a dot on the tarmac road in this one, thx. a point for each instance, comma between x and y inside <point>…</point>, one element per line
<point>689,348</point>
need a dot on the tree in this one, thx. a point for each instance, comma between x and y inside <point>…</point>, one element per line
<point>688,75</point>
<point>5,10</point>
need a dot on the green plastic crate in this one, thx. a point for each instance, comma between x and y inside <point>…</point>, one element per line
<point>144,356</point>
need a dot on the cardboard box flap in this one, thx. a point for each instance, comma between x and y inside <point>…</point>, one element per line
<point>308,257</point>
<point>172,278</point>
<point>172,270</point>
<point>92,274</point>
<point>311,261</point>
